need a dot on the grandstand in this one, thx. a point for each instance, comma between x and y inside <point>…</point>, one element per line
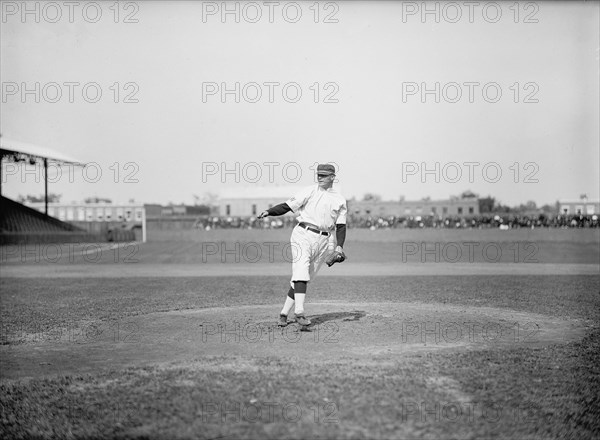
<point>20,224</point>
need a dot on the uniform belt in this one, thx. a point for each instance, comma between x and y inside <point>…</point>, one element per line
<point>310,228</point>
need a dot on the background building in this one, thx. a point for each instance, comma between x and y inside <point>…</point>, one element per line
<point>251,201</point>
<point>98,217</point>
<point>407,208</point>
<point>580,206</point>
<point>248,202</point>
<point>92,212</point>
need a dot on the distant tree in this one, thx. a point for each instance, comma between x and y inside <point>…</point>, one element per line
<point>206,198</point>
<point>486,204</point>
<point>426,199</point>
<point>52,198</point>
<point>468,194</point>
<point>402,198</point>
<point>523,208</point>
<point>548,209</point>
<point>97,200</point>
<point>370,197</point>
<point>502,209</point>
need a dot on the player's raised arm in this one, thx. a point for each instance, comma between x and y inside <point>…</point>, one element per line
<point>275,211</point>
<point>293,204</point>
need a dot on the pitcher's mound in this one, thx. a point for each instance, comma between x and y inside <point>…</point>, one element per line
<point>365,332</point>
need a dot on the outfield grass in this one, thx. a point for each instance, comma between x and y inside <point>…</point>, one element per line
<point>583,235</point>
<point>401,246</point>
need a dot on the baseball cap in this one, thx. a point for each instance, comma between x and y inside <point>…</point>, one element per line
<point>325,168</point>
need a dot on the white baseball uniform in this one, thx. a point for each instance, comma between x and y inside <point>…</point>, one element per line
<point>318,208</point>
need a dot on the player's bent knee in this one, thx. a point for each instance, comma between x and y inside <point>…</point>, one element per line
<point>300,286</point>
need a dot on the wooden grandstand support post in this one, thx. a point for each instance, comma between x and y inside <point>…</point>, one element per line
<point>144,224</point>
<point>46,185</point>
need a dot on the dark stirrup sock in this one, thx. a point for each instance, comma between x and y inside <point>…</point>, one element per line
<point>300,286</point>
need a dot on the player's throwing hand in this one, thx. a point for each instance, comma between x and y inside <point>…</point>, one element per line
<point>263,214</point>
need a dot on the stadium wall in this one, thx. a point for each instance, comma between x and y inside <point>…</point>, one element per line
<point>171,224</point>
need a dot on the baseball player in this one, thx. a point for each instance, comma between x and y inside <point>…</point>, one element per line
<point>321,210</point>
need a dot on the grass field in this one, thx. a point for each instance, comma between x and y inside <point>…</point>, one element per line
<point>442,354</point>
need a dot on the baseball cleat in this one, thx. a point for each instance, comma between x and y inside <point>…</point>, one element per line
<point>302,320</point>
<point>282,321</point>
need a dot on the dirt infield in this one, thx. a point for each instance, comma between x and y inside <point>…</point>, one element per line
<point>366,333</point>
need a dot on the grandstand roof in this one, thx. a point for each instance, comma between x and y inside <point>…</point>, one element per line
<point>13,146</point>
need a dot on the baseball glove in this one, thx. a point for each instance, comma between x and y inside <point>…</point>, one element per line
<point>337,256</point>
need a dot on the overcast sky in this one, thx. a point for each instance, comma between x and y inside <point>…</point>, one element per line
<point>517,91</point>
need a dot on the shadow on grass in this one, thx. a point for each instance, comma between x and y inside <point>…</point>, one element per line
<point>336,316</point>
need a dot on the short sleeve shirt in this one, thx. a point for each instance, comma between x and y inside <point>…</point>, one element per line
<point>322,208</point>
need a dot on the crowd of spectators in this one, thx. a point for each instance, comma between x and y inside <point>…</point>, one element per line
<point>209,223</point>
<point>504,221</point>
